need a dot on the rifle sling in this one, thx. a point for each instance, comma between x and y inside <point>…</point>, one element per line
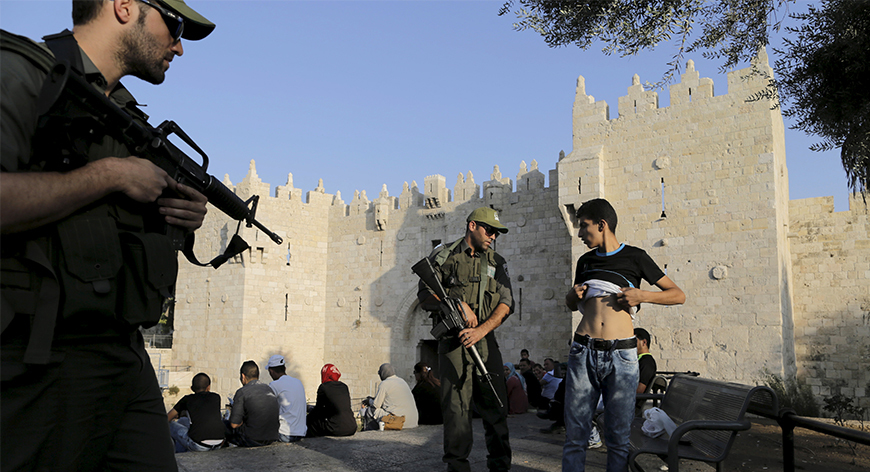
<point>234,248</point>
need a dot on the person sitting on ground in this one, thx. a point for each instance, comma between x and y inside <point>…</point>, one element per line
<point>201,429</point>
<point>427,395</point>
<point>291,400</point>
<point>549,384</point>
<point>393,397</point>
<point>518,402</point>
<point>254,417</point>
<point>332,414</point>
<point>533,385</point>
<point>553,368</point>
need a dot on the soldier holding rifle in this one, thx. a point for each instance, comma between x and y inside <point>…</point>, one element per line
<point>85,259</point>
<point>475,275</point>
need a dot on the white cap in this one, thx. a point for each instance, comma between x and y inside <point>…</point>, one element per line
<point>275,361</point>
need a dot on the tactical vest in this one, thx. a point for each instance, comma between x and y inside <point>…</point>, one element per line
<point>461,280</point>
<point>106,264</point>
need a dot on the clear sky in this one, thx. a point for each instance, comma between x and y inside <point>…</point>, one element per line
<point>365,93</point>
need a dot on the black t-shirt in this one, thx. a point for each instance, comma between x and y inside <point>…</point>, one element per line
<point>624,267</point>
<point>646,364</point>
<point>204,409</point>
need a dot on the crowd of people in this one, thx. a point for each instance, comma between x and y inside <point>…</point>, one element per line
<point>260,414</point>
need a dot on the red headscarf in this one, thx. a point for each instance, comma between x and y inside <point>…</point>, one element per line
<point>329,373</point>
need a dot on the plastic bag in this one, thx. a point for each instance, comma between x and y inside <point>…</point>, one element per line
<point>657,423</point>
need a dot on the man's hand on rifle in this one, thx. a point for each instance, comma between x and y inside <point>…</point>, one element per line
<point>470,336</point>
<point>144,182</point>
<point>136,178</point>
<point>470,316</point>
<point>187,213</point>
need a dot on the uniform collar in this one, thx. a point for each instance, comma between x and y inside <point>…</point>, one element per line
<point>464,247</point>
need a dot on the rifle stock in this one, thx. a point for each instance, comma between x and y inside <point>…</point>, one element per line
<point>68,97</point>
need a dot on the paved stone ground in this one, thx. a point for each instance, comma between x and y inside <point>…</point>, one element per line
<point>419,450</point>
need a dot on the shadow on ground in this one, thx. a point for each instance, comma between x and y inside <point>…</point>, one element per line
<point>419,450</point>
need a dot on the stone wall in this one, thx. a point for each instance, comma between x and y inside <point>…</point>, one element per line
<point>831,263</point>
<point>340,290</point>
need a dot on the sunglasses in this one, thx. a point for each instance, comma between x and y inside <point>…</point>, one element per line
<point>173,21</point>
<point>490,231</point>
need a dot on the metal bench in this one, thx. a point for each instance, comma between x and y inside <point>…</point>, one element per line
<point>708,414</point>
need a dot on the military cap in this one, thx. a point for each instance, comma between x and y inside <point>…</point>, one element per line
<point>488,216</point>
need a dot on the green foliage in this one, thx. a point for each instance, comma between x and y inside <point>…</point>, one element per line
<point>792,393</point>
<point>842,409</point>
<point>729,29</point>
<point>823,69</point>
<point>173,390</point>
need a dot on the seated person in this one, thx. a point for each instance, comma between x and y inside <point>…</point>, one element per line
<point>427,395</point>
<point>518,402</point>
<point>332,414</point>
<point>201,429</point>
<point>553,368</point>
<point>646,365</point>
<point>549,384</point>
<point>254,417</point>
<point>533,385</point>
<point>393,397</point>
<point>291,400</point>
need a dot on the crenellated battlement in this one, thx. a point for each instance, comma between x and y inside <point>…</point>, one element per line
<point>497,191</point>
<point>691,90</point>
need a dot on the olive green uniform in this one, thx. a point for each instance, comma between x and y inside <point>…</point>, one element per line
<point>78,389</point>
<point>462,276</point>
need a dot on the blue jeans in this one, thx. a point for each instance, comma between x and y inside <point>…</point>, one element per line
<point>286,438</point>
<point>613,374</point>
<point>178,430</point>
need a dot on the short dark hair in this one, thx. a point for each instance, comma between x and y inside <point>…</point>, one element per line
<point>281,369</point>
<point>250,369</point>
<point>201,381</point>
<point>85,11</point>
<point>643,334</point>
<point>596,210</point>
<point>526,361</point>
<point>524,350</point>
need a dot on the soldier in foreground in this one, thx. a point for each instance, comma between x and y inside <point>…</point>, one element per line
<point>85,259</point>
<point>477,276</point>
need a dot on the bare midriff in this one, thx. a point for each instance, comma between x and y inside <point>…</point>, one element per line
<point>603,318</point>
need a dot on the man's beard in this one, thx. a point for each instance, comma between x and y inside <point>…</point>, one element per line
<point>141,56</point>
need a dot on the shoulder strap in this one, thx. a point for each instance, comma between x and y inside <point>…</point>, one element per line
<point>66,48</point>
<point>27,48</point>
<point>443,254</point>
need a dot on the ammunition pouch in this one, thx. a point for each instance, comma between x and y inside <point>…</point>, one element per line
<point>121,275</point>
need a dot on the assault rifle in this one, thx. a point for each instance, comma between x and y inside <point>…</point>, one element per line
<point>451,319</point>
<point>69,105</point>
